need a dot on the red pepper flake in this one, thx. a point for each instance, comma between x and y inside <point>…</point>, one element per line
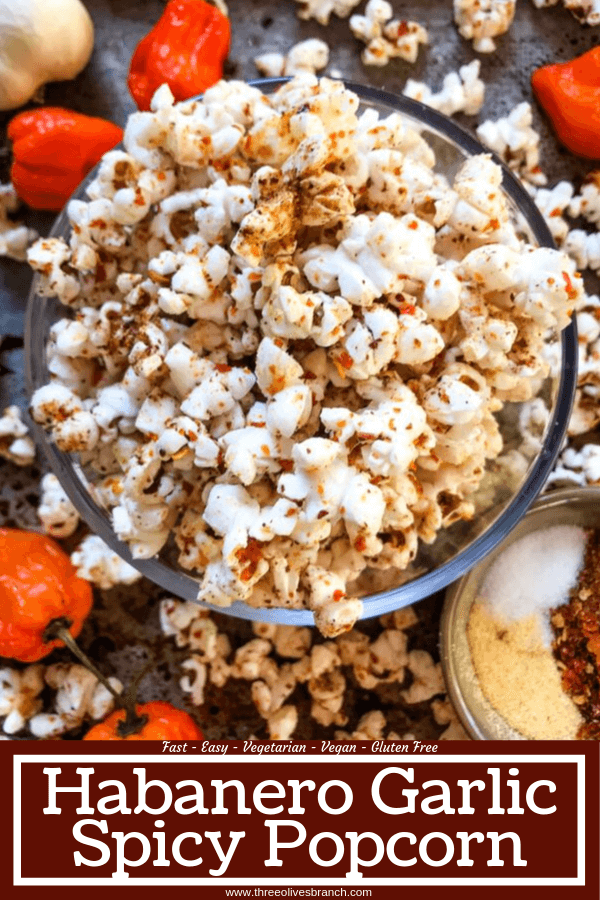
<point>286,464</point>
<point>414,225</point>
<point>338,595</point>
<point>308,376</point>
<point>571,292</point>
<point>345,360</point>
<point>251,554</point>
<point>222,367</point>
<point>360,544</point>
<point>408,309</point>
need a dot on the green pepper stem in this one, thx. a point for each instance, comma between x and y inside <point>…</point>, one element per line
<point>58,629</point>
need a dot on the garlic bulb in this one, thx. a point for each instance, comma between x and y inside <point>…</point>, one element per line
<point>40,41</point>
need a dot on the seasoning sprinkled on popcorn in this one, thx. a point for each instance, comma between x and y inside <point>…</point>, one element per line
<point>481,21</point>
<point>386,38</point>
<point>286,340</point>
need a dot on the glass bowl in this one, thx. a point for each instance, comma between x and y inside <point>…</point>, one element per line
<point>457,548</point>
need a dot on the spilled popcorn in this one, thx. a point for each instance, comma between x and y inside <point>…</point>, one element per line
<point>461,92</point>
<point>76,696</point>
<point>309,56</point>
<point>481,21</point>
<point>15,443</point>
<point>15,237</point>
<point>287,666</point>
<point>288,341</point>
<point>386,38</point>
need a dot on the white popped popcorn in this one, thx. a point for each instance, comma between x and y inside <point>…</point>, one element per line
<point>15,237</point>
<point>584,247</point>
<point>311,55</point>
<point>321,10</point>
<point>75,695</point>
<point>57,514</point>
<point>586,11</point>
<point>385,37</point>
<point>19,696</point>
<point>288,370</point>
<point>577,467</point>
<point>481,21</point>
<point>461,91</point>
<point>15,442</point>
<point>514,139</point>
<point>96,562</point>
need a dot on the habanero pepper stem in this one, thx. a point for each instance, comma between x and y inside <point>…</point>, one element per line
<point>569,93</point>
<point>58,629</point>
<point>186,49</point>
<point>53,150</point>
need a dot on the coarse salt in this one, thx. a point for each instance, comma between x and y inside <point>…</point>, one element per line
<point>534,575</point>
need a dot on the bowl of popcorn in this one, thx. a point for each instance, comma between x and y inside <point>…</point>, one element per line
<point>278,346</point>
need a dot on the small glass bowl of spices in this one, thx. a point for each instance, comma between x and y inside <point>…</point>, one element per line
<point>520,633</point>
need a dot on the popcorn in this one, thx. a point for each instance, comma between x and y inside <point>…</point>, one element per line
<point>15,443</point>
<point>19,696</point>
<point>287,343</point>
<point>462,91</point>
<point>427,677</point>
<point>552,204</point>
<point>282,724</point>
<point>386,39</point>
<point>97,563</point>
<point>321,10</point>
<point>47,257</point>
<point>57,514</point>
<point>15,237</point>
<point>516,142</point>
<point>586,11</point>
<point>584,247</point>
<point>577,467</point>
<point>77,695</point>
<point>444,714</point>
<point>483,20</point>
<point>587,203</point>
<point>311,56</point>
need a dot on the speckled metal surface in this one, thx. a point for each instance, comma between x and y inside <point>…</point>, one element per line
<point>123,631</point>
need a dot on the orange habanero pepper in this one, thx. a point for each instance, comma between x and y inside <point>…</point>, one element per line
<point>186,49</point>
<point>53,151</point>
<point>39,587</point>
<point>570,94</point>
<point>157,722</point>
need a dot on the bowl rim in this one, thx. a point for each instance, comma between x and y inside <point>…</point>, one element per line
<point>450,623</point>
<point>184,585</point>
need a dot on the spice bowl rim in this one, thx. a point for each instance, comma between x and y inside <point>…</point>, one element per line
<point>479,719</point>
<point>184,585</point>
